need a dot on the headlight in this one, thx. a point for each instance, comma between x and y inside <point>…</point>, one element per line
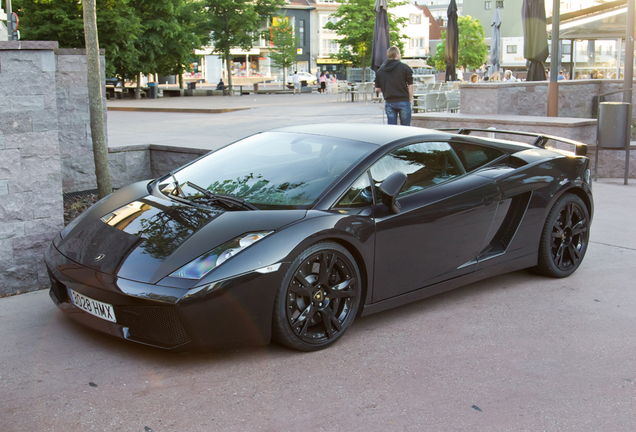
<point>68,228</point>
<point>203,265</point>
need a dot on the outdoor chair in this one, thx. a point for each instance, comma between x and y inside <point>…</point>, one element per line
<point>357,90</point>
<point>452,101</point>
<point>343,90</point>
<point>430,104</point>
<point>441,102</point>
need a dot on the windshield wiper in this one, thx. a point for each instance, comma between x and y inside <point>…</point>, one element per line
<point>226,200</point>
<point>177,187</point>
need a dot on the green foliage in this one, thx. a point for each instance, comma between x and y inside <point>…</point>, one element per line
<point>283,54</point>
<point>472,48</point>
<point>188,34</point>
<point>61,21</point>
<point>355,26</point>
<point>237,24</point>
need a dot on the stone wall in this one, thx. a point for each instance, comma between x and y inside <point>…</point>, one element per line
<point>531,98</point>
<point>45,148</point>
<point>76,145</point>
<point>31,209</point>
<point>130,164</point>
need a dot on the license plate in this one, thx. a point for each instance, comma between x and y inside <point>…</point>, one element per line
<point>93,307</point>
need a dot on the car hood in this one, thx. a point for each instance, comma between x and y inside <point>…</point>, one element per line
<point>150,238</point>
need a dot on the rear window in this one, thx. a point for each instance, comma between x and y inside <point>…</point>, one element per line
<point>474,156</point>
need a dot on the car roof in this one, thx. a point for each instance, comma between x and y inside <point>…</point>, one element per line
<point>370,133</point>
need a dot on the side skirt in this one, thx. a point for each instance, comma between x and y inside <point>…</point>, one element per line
<point>422,293</point>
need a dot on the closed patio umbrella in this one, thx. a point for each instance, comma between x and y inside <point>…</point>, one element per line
<point>380,35</point>
<point>535,38</point>
<point>451,55</point>
<point>495,43</point>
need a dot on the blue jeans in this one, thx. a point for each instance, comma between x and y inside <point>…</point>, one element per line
<point>394,108</point>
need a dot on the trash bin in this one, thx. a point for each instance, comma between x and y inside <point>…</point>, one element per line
<point>192,85</point>
<point>614,124</point>
<point>152,90</point>
<point>255,87</point>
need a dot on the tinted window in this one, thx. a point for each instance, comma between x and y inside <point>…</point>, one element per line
<point>474,156</point>
<point>272,170</point>
<point>425,165</point>
<point>358,195</point>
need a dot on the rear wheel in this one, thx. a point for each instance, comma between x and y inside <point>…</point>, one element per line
<point>318,299</point>
<point>564,238</point>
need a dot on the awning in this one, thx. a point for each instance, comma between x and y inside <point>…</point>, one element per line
<point>330,61</point>
<point>416,63</point>
<point>607,21</point>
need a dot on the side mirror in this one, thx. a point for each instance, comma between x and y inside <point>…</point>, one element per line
<point>390,188</point>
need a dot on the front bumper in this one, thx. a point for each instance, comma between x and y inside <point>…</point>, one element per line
<point>228,313</point>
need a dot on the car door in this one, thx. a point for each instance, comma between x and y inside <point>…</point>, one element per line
<point>445,217</point>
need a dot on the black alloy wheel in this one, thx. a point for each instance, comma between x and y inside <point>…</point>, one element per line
<point>565,237</point>
<point>319,298</point>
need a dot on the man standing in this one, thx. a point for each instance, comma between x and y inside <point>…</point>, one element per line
<point>296,81</point>
<point>395,80</point>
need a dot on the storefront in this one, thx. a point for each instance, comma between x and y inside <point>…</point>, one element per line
<point>251,63</point>
<point>333,66</point>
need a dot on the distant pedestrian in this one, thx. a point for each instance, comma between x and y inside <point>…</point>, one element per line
<point>323,82</point>
<point>395,80</point>
<point>296,82</point>
<point>328,82</point>
<point>220,85</point>
<point>508,77</point>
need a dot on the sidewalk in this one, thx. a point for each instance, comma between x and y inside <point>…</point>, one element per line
<point>253,113</point>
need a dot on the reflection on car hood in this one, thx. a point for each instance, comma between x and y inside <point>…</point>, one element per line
<point>150,238</point>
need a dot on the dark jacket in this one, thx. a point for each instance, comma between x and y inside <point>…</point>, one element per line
<point>393,78</point>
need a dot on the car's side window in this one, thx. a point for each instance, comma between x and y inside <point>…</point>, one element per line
<point>474,156</point>
<point>425,164</point>
<point>359,194</point>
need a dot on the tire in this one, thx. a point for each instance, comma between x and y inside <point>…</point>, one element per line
<point>318,299</point>
<point>564,238</point>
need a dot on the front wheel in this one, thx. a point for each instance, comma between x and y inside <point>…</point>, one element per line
<point>564,238</point>
<point>318,299</point>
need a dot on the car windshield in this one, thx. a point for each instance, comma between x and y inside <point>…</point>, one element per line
<point>271,170</point>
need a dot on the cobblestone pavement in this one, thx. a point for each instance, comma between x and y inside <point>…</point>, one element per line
<point>515,352</point>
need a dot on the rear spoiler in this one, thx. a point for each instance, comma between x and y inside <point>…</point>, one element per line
<point>540,139</point>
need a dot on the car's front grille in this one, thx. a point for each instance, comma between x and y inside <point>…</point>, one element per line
<point>156,325</point>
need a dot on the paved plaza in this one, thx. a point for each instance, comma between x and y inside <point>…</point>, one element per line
<point>512,353</point>
<point>210,131</point>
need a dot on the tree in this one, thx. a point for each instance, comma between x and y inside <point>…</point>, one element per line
<point>355,25</point>
<point>191,35</point>
<point>62,21</point>
<point>96,108</point>
<point>237,24</point>
<point>472,48</point>
<point>283,54</point>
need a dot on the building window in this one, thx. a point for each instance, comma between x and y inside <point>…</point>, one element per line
<point>415,19</point>
<point>488,5</point>
<point>329,46</point>
<point>301,32</point>
<point>327,18</point>
<point>511,49</point>
<point>417,43</point>
<point>500,4</point>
